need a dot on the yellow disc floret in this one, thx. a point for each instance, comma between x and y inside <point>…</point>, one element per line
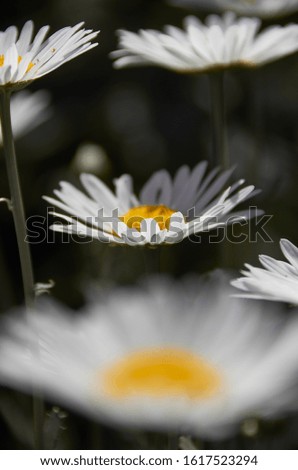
<point>161,214</point>
<point>161,373</point>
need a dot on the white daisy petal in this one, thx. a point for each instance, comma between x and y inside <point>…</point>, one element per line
<point>179,181</point>
<point>8,38</point>
<point>207,221</point>
<point>124,192</point>
<point>185,197</point>
<point>23,67</point>
<point>25,38</point>
<point>28,110</point>
<point>5,74</point>
<point>204,195</point>
<point>290,251</point>
<point>157,190</point>
<point>261,8</point>
<point>279,267</point>
<point>240,216</point>
<point>11,58</point>
<point>237,198</point>
<point>79,230</point>
<point>177,228</point>
<point>277,281</point>
<point>99,192</point>
<point>39,39</point>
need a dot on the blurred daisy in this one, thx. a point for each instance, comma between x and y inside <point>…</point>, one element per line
<point>261,8</point>
<point>166,211</point>
<point>172,356</point>
<point>222,42</point>
<point>28,110</point>
<point>277,280</point>
<point>23,59</point>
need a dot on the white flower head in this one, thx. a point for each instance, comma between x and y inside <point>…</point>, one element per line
<point>198,5</point>
<point>28,110</point>
<point>276,280</point>
<point>179,356</point>
<point>261,8</point>
<point>24,58</point>
<point>167,209</point>
<point>220,43</point>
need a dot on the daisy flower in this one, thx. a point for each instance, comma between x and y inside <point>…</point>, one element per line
<point>167,209</point>
<point>220,43</point>
<point>277,280</point>
<point>28,110</point>
<point>183,357</point>
<point>24,58</point>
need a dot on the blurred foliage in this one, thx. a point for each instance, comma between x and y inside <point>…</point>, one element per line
<point>143,119</point>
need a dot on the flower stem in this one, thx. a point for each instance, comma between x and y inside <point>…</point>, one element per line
<point>17,208</point>
<point>218,121</point>
<point>172,443</point>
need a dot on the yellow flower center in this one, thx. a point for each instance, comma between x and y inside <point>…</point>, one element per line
<point>136,215</point>
<point>161,373</point>
<point>2,60</point>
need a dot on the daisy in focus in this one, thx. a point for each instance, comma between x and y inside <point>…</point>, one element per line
<point>28,110</point>
<point>276,280</point>
<point>220,43</point>
<point>155,357</point>
<point>167,209</point>
<point>24,58</point>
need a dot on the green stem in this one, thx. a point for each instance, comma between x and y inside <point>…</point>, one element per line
<point>218,121</point>
<point>16,200</point>
<point>19,218</point>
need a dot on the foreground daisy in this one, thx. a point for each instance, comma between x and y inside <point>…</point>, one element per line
<point>172,356</point>
<point>167,209</point>
<point>277,280</point>
<point>24,58</point>
<point>222,42</point>
<point>28,110</point>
